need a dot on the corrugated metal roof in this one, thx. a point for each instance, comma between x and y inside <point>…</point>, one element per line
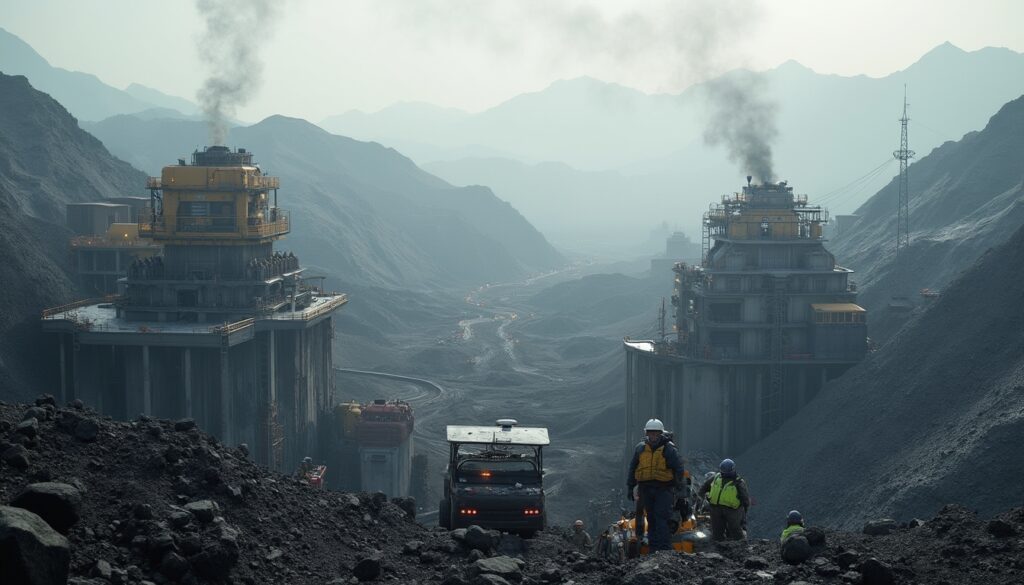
<point>838,308</point>
<point>498,436</point>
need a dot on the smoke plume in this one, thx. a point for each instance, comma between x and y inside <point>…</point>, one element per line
<point>230,47</point>
<point>743,119</point>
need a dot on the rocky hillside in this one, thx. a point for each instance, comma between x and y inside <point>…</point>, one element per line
<point>965,197</point>
<point>935,416</point>
<point>158,501</point>
<point>46,161</point>
<point>362,213</point>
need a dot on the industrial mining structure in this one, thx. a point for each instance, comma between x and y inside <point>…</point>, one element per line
<point>219,327</point>
<point>760,326</point>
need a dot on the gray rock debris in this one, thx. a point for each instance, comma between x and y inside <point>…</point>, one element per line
<point>59,504</point>
<point>33,553</point>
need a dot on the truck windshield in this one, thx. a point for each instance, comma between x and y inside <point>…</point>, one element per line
<point>497,471</point>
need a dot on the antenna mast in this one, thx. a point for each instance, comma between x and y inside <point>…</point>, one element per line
<point>903,155</point>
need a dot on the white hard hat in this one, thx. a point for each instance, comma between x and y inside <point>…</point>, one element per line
<point>654,425</point>
<point>578,523</point>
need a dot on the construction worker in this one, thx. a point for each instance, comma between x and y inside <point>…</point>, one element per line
<point>658,471</point>
<point>579,537</point>
<point>305,468</point>
<point>794,525</point>
<point>728,498</point>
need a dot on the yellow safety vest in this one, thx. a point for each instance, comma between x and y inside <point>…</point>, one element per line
<point>652,465</point>
<point>790,531</point>
<point>727,495</point>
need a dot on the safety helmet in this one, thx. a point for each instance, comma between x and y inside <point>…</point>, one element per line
<point>307,459</point>
<point>654,425</point>
<point>795,517</point>
<point>727,466</point>
<point>578,523</point>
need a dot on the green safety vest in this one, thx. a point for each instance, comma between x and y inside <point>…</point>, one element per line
<point>726,495</point>
<point>790,531</point>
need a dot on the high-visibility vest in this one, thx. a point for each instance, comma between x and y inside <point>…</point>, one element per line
<point>789,531</point>
<point>726,495</point>
<point>652,465</point>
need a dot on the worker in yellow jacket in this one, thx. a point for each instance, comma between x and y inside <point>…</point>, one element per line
<point>657,470</point>
<point>729,501</point>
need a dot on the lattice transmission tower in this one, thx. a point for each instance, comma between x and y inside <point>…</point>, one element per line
<point>904,154</point>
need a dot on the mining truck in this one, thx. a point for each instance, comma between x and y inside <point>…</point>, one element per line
<point>495,478</point>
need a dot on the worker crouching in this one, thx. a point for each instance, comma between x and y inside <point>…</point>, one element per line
<point>729,501</point>
<point>658,471</point>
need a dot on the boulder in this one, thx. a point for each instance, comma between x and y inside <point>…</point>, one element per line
<point>815,536</point>
<point>408,505</point>
<point>875,572</point>
<point>847,558</point>
<point>185,424</point>
<point>480,539</point>
<point>755,563</point>
<point>28,427</point>
<point>1000,528</point>
<point>880,527</point>
<point>87,430</point>
<point>203,510</point>
<point>58,504</point>
<point>31,552</point>
<point>44,399</point>
<point>35,412</point>
<point>507,568</point>
<point>368,569</point>
<point>16,456</point>
<point>796,550</point>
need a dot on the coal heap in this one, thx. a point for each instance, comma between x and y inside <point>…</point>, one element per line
<point>156,501</point>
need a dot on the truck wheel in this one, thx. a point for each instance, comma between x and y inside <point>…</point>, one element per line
<point>444,514</point>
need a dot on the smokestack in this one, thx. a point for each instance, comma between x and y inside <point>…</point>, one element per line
<point>230,46</point>
<point>743,120</point>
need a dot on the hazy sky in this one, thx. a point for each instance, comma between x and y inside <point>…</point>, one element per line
<point>324,58</point>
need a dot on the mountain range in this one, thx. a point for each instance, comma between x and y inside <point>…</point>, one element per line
<point>362,213</point>
<point>650,152</point>
<point>84,95</point>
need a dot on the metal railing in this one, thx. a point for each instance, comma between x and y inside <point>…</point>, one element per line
<point>103,242</point>
<point>219,227</point>
<point>260,182</point>
<point>229,328</point>
<point>53,311</point>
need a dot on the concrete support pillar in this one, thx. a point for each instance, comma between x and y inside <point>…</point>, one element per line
<point>147,384</point>
<point>63,374</point>
<point>759,405</point>
<point>226,399</point>
<point>76,376</point>
<point>187,373</point>
<point>271,399</point>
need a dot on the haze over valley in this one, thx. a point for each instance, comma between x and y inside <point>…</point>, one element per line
<point>546,245</point>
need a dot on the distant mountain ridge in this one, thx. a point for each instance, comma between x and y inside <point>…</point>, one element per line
<point>84,95</point>
<point>832,129</point>
<point>46,161</point>
<point>361,212</point>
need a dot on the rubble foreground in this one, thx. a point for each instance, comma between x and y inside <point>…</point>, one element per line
<point>88,500</point>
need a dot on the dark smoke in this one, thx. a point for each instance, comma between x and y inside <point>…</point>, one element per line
<point>743,119</point>
<point>230,48</point>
